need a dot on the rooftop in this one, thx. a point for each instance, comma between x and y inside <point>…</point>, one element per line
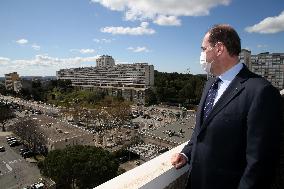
<point>57,130</point>
<point>176,132</point>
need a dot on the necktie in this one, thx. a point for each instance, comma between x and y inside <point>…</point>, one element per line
<point>210,98</point>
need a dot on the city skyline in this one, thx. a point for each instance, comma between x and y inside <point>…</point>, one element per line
<point>41,37</point>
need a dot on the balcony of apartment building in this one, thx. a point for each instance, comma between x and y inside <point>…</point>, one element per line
<point>157,173</point>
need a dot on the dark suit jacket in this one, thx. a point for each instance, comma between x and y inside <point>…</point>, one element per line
<point>237,146</point>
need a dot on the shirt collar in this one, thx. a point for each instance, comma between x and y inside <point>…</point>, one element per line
<point>230,74</point>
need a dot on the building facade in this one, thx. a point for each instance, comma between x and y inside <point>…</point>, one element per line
<point>13,82</point>
<point>268,65</point>
<point>105,61</point>
<point>127,80</point>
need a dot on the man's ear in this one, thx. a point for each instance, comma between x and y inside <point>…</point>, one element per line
<point>220,48</point>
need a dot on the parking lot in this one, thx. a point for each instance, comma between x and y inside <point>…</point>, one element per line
<point>15,171</point>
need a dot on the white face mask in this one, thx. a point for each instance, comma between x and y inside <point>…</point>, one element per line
<point>206,66</point>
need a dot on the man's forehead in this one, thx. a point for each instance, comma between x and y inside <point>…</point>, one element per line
<point>205,39</point>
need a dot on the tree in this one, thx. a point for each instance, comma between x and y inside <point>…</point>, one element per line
<point>175,88</point>
<point>3,89</point>
<point>113,111</point>
<point>5,114</point>
<point>65,85</point>
<point>79,167</point>
<point>150,97</point>
<point>31,133</point>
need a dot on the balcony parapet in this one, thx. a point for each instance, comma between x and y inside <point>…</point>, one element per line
<point>157,173</point>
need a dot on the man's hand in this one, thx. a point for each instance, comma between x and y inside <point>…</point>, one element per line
<point>178,160</point>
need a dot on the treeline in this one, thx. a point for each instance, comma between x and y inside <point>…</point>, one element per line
<point>176,88</point>
<point>62,93</point>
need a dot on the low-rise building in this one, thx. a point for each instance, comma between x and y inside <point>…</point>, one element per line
<point>61,134</point>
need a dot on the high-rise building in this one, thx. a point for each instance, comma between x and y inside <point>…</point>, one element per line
<point>105,61</point>
<point>268,65</point>
<point>245,57</point>
<point>127,80</point>
<point>13,82</point>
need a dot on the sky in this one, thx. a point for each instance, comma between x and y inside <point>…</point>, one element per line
<point>39,37</point>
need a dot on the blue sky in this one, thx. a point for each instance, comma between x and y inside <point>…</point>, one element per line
<point>41,37</point>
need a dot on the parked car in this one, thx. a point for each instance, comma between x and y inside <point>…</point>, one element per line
<point>23,150</point>
<point>123,159</point>
<point>2,149</point>
<point>38,185</point>
<point>10,139</point>
<point>14,143</point>
<point>28,154</point>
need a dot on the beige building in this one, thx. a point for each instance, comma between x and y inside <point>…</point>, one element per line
<point>13,82</point>
<point>61,134</point>
<point>268,65</point>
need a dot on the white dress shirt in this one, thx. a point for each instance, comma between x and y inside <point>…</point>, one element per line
<point>226,79</point>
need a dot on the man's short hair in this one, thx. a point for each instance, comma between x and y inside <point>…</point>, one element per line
<point>227,36</point>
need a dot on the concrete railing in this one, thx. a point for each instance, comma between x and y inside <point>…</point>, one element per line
<point>157,173</point>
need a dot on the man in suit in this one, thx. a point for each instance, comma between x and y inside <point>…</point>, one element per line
<point>235,143</point>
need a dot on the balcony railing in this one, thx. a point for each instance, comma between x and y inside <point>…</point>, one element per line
<point>157,173</point>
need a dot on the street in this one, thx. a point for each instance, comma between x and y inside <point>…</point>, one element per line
<point>16,172</point>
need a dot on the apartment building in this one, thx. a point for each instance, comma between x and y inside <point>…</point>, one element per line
<point>104,61</point>
<point>128,80</point>
<point>268,65</point>
<point>13,82</point>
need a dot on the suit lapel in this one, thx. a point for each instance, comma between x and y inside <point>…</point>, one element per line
<point>236,87</point>
<point>202,101</point>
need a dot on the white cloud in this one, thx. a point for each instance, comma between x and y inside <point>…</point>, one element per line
<point>84,51</point>
<point>138,49</point>
<point>269,25</point>
<point>36,47</point>
<point>96,40</point>
<point>103,40</point>
<point>22,41</point>
<point>87,51</point>
<point>43,64</point>
<point>152,9</point>
<point>4,61</point>
<point>261,46</point>
<point>118,5</point>
<point>140,30</point>
<point>167,20</point>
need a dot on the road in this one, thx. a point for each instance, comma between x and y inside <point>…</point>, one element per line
<point>16,172</point>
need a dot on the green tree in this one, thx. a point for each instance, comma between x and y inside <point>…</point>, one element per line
<point>79,167</point>
<point>65,85</point>
<point>150,97</point>
<point>177,88</point>
<point>6,113</point>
